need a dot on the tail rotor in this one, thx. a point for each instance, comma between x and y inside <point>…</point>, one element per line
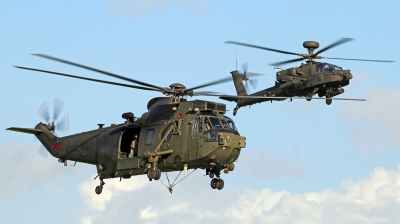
<point>253,82</point>
<point>55,122</point>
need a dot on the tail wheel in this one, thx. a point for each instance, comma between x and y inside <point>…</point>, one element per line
<point>214,183</point>
<point>328,101</point>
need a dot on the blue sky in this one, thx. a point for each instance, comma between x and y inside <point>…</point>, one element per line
<point>316,163</point>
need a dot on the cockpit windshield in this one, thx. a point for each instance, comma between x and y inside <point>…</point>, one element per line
<point>214,122</point>
<point>328,68</point>
<point>337,68</point>
<point>231,125</point>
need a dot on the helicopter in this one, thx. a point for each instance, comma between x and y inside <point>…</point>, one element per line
<point>175,134</point>
<point>321,78</point>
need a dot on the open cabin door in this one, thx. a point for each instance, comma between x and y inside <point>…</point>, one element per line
<point>128,149</point>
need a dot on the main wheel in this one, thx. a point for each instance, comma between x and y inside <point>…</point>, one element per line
<point>99,189</point>
<point>214,183</point>
<point>157,174</point>
<point>220,184</point>
<point>328,101</point>
<point>309,97</point>
<point>151,174</point>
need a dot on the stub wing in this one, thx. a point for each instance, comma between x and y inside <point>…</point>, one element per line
<point>25,130</point>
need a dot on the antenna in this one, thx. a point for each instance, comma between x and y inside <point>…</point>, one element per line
<point>236,60</point>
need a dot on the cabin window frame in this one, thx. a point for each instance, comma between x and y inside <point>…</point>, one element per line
<point>149,136</point>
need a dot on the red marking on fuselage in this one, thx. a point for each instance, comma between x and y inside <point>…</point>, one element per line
<point>56,146</point>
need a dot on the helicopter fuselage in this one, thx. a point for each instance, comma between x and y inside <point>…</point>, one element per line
<point>308,79</point>
<point>173,136</point>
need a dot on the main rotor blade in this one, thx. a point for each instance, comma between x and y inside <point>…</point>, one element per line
<point>337,43</point>
<point>227,79</point>
<point>100,71</point>
<point>89,79</point>
<point>359,59</point>
<point>286,62</point>
<point>260,47</point>
<point>205,93</point>
<point>280,97</point>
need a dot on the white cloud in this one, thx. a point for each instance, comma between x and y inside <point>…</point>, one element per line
<point>22,166</point>
<point>374,199</point>
<point>377,120</point>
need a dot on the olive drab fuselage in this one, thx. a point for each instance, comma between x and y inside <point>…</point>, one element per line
<point>172,133</point>
<point>308,79</point>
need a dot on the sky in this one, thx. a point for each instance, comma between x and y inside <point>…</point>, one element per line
<point>304,162</point>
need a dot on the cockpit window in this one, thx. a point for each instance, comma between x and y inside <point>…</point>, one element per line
<point>337,68</point>
<point>224,124</point>
<point>197,126</point>
<point>230,122</point>
<point>334,67</point>
<point>328,68</point>
<point>232,125</point>
<point>319,67</point>
<point>207,124</point>
<point>215,122</point>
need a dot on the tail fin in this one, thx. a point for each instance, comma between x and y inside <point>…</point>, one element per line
<point>238,82</point>
<point>43,133</point>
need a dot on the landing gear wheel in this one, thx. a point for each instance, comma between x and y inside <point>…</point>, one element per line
<point>151,174</point>
<point>220,184</point>
<point>328,101</point>
<point>99,189</point>
<point>211,175</point>
<point>157,174</point>
<point>235,111</point>
<point>214,183</point>
<point>309,97</point>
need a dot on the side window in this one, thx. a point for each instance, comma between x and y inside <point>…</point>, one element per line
<point>169,137</point>
<point>149,136</point>
<point>224,124</point>
<point>207,124</point>
<point>197,126</point>
<point>231,125</point>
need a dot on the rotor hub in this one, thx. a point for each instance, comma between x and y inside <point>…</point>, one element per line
<point>311,46</point>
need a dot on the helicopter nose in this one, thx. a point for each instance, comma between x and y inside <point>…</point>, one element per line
<point>231,140</point>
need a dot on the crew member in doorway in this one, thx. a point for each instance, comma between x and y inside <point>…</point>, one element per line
<point>133,147</point>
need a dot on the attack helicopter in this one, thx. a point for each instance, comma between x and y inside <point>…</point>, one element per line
<point>175,134</point>
<point>325,79</point>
